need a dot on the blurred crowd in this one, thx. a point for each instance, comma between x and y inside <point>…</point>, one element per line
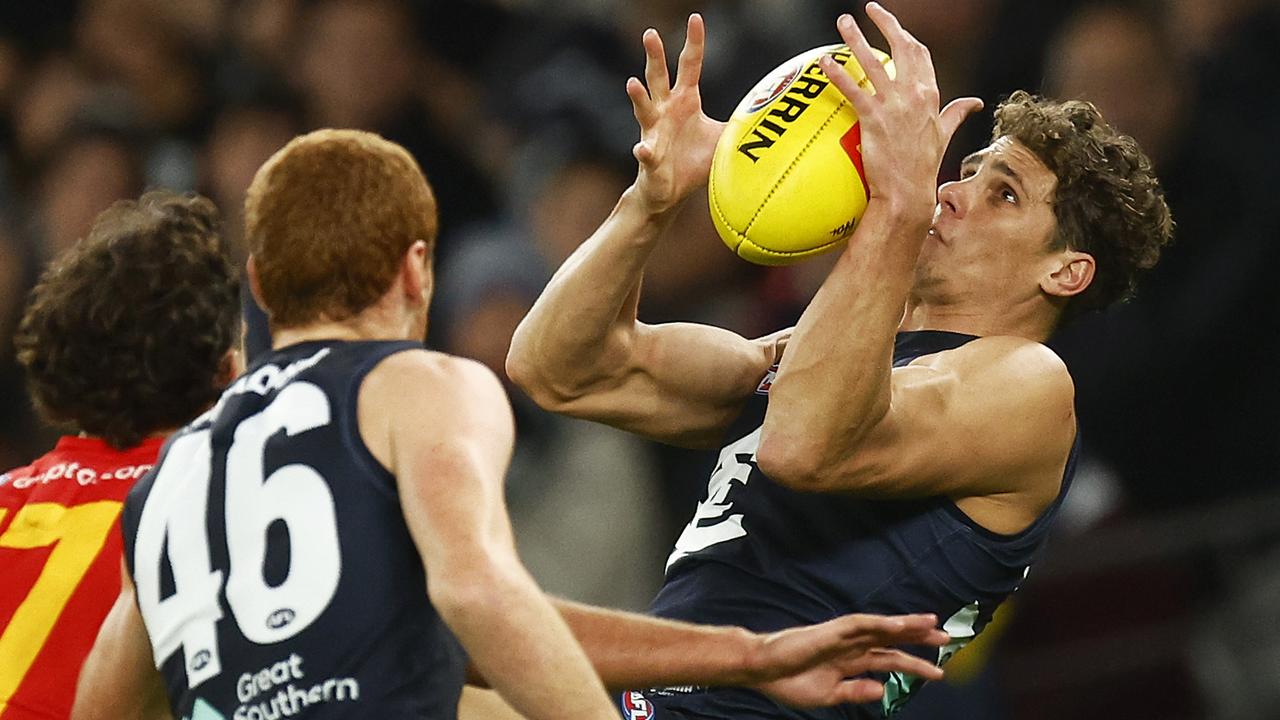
<point>517,113</point>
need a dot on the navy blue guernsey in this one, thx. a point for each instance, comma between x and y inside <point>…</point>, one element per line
<point>274,570</point>
<point>764,557</point>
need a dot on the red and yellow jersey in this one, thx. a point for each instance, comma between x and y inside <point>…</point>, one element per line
<point>60,548</point>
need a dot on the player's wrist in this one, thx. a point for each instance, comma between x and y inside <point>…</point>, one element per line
<point>648,206</point>
<point>756,667</point>
<point>905,205</point>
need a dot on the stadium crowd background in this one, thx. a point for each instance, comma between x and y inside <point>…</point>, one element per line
<point>1157,598</point>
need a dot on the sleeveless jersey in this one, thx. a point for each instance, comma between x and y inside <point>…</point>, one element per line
<point>764,557</point>
<point>60,565</point>
<point>275,574</point>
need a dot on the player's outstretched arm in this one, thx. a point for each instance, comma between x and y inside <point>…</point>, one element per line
<point>119,679</point>
<point>805,666</point>
<point>444,428</point>
<point>809,666</point>
<point>581,351</point>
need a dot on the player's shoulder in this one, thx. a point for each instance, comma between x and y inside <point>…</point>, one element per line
<point>991,364</point>
<point>425,378</point>
<point>437,370</point>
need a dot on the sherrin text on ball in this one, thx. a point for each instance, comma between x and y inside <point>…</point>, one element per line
<point>787,181</point>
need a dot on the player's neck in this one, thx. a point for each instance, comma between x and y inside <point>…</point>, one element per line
<point>372,324</point>
<point>1022,321</point>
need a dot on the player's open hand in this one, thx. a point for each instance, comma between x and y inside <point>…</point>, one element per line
<point>904,135</point>
<point>820,665</point>
<point>677,139</point>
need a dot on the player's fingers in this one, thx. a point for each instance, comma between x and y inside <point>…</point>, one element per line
<point>852,35</point>
<point>655,66</point>
<point>881,626</point>
<point>689,69</point>
<point>955,113</point>
<point>890,660</point>
<point>863,631</point>
<point>902,44</point>
<point>641,103</point>
<point>857,690</point>
<point>858,96</point>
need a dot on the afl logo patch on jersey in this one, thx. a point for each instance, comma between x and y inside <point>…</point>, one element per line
<point>767,382</point>
<point>636,707</point>
<point>280,618</point>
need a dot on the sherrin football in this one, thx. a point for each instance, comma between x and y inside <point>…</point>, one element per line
<point>787,181</point>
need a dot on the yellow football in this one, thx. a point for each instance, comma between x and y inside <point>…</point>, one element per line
<point>786,180</point>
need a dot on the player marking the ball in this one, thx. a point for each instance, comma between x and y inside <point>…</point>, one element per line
<point>917,440</point>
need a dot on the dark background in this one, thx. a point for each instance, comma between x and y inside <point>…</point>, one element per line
<point>1160,593</point>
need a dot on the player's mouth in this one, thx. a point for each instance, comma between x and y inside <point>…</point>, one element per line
<point>936,235</point>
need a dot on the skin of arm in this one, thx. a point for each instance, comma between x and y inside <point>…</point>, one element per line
<point>581,351</point>
<point>806,666</point>
<point>928,428</point>
<point>119,679</point>
<point>443,427</point>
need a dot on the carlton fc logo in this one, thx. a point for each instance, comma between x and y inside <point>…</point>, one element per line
<point>636,707</point>
<point>767,382</point>
<point>771,87</point>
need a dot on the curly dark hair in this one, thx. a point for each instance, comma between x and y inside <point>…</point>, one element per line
<point>127,332</point>
<point>1108,201</point>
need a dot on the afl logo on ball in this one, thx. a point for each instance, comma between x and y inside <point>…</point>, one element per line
<point>636,707</point>
<point>771,87</point>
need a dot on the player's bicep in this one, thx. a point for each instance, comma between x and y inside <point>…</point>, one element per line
<point>683,383</point>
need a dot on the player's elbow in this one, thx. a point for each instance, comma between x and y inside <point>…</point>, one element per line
<point>559,384</point>
<point>790,460</point>
<point>465,595</point>
<point>537,380</point>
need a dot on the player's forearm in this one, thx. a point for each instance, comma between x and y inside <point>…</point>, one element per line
<point>118,678</point>
<point>576,330</point>
<point>834,381</point>
<point>632,651</point>
<point>523,648</point>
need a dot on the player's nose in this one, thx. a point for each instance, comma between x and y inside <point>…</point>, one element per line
<point>951,199</point>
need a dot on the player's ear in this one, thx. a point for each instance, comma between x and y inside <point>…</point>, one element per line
<point>251,271</point>
<point>1071,273</point>
<point>415,271</point>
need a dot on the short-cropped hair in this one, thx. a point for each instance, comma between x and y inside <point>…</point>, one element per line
<point>127,332</point>
<point>1108,201</point>
<point>328,220</point>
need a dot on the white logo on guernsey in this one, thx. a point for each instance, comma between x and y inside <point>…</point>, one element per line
<point>290,699</point>
<point>73,471</point>
<point>263,380</point>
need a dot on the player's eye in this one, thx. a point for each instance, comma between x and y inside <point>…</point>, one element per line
<point>1008,195</point>
<point>967,172</point>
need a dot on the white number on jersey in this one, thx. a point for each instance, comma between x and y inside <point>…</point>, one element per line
<point>176,512</point>
<point>711,524</point>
